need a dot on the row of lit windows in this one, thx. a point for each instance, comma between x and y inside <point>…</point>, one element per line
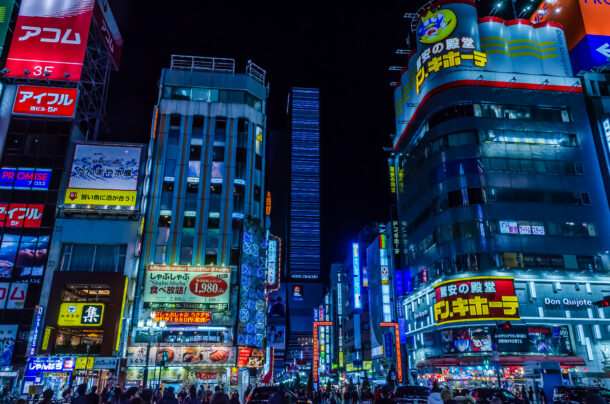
<point>475,262</point>
<point>476,229</point>
<point>212,95</point>
<point>479,196</point>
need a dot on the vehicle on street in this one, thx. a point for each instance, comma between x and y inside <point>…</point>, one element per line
<point>261,395</point>
<point>577,394</point>
<point>484,396</point>
<point>412,394</point>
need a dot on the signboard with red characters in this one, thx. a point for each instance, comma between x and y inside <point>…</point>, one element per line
<point>46,101</point>
<point>187,287</point>
<point>476,299</point>
<point>183,317</point>
<point>49,40</point>
<point>20,215</point>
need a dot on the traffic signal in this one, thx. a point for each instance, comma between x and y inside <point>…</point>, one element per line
<point>605,302</point>
<point>504,326</point>
<point>164,356</point>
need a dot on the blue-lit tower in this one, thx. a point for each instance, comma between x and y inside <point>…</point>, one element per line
<point>304,291</point>
<point>304,220</point>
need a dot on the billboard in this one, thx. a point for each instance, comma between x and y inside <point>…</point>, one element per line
<point>45,101</point>
<point>80,314</point>
<point>475,299</point>
<point>102,14</point>
<point>276,337</point>
<point>535,339</point>
<point>182,355</point>
<point>104,175</point>
<point>461,340</point>
<point>250,358</point>
<point>50,39</point>
<point>35,179</point>
<point>21,215</point>
<point>586,28</point>
<point>187,287</point>
<point>8,335</point>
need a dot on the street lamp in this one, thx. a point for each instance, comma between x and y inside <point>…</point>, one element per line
<point>152,328</point>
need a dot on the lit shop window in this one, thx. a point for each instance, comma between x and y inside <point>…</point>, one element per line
<point>541,138</point>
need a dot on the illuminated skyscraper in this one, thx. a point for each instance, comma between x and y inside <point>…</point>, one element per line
<point>304,216</point>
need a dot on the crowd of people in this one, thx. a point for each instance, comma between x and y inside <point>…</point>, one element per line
<point>132,395</point>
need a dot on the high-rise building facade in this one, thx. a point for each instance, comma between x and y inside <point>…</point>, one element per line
<point>304,216</point>
<point>204,245</point>
<point>501,203</point>
<point>53,93</point>
<point>303,240</point>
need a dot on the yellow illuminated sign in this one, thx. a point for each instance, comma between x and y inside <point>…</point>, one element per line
<point>393,179</point>
<point>450,59</point>
<point>80,314</point>
<point>436,26</point>
<point>46,337</point>
<point>475,299</point>
<point>84,362</point>
<point>349,367</point>
<point>118,337</point>
<point>367,365</point>
<point>100,197</point>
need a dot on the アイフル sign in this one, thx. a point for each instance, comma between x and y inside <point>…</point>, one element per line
<point>45,101</point>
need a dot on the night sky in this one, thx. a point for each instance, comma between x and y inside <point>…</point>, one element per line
<point>344,48</point>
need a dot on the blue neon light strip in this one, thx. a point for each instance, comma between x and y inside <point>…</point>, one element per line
<point>356,272</point>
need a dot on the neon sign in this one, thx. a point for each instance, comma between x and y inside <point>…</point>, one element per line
<point>356,272</point>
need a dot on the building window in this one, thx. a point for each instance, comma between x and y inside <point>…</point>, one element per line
<point>93,257</point>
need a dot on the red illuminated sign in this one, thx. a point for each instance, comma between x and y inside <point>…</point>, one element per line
<point>242,357</point>
<point>398,351</point>
<point>46,101</point>
<point>476,299</point>
<point>183,317</point>
<point>20,215</point>
<point>49,40</point>
<point>316,354</point>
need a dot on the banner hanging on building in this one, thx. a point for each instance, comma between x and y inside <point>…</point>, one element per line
<point>476,299</point>
<point>104,175</point>
<point>110,31</point>
<point>187,287</point>
<point>45,101</point>
<point>50,39</point>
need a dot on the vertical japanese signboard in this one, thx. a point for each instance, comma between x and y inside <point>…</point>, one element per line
<point>475,299</point>
<point>50,39</point>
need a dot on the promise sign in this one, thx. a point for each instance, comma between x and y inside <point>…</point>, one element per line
<point>187,287</point>
<point>476,299</point>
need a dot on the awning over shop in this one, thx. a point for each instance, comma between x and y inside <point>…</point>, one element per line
<point>504,361</point>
